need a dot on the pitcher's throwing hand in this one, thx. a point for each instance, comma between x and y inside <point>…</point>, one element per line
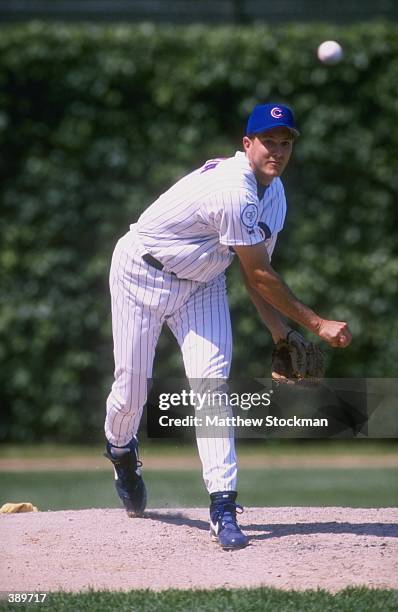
<point>335,333</point>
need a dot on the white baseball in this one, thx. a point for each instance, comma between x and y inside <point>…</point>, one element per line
<point>330,52</point>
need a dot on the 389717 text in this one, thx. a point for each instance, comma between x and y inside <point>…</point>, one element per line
<point>26,597</point>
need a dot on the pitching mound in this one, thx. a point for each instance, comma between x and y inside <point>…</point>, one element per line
<point>290,548</point>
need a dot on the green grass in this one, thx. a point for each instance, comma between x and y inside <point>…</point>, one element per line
<point>220,600</point>
<point>275,487</point>
<point>274,448</point>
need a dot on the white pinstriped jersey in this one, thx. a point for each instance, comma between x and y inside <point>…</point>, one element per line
<point>193,227</point>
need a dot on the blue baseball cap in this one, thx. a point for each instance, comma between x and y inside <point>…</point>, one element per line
<point>267,116</point>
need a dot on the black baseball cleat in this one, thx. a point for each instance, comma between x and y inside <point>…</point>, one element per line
<point>128,480</point>
<point>224,528</point>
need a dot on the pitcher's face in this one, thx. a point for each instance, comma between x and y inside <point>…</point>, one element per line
<point>269,153</point>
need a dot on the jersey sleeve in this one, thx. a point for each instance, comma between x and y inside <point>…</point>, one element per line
<point>270,245</point>
<point>234,216</point>
<point>273,215</point>
<point>279,206</point>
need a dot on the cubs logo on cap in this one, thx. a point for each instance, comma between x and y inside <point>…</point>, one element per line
<point>267,116</point>
<point>276,112</point>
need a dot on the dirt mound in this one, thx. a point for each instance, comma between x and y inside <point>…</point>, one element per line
<point>290,548</point>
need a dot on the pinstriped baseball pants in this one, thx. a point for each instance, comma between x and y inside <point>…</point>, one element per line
<point>143,300</point>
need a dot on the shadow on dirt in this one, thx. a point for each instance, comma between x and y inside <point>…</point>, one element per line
<point>381,530</point>
<point>280,530</point>
<point>179,518</point>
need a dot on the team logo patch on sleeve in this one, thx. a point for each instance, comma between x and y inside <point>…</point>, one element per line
<point>249,215</point>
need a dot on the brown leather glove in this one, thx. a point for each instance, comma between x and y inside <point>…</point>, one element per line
<point>295,360</point>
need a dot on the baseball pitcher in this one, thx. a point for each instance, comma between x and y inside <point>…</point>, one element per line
<point>169,268</point>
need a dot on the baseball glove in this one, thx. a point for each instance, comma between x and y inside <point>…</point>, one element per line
<point>296,361</point>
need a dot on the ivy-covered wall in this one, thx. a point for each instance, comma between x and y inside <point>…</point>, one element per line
<point>96,121</point>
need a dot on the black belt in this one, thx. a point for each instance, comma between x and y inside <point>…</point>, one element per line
<point>155,263</point>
